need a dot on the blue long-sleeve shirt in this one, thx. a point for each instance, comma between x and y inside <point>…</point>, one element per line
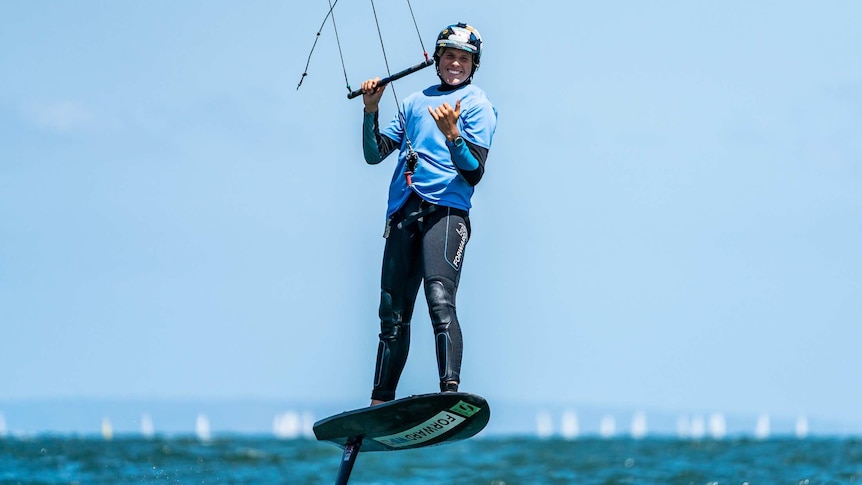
<point>446,172</point>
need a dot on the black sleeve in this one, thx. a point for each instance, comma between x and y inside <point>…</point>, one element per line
<point>480,154</point>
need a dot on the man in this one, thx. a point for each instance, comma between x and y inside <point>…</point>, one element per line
<point>443,135</point>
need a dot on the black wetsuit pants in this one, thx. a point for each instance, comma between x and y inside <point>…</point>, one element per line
<point>424,242</point>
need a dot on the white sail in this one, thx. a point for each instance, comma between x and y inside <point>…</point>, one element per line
<point>202,428</point>
<point>607,426</point>
<point>761,430</point>
<point>717,426</point>
<point>286,425</point>
<point>3,430</point>
<point>570,427</point>
<point>801,427</point>
<point>639,425</point>
<point>107,429</point>
<point>147,428</point>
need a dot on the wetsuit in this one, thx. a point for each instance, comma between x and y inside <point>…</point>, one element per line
<point>428,224</point>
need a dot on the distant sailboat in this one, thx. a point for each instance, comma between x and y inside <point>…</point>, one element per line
<point>286,425</point>
<point>147,428</point>
<point>107,429</point>
<point>801,427</point>
<point>570,428</point>
<point>639,425</point>
<point>202,428</point>
<point>717,426</point>
<point>607,426</point>
<point>761,430</point>
<point>2,426</point>
<point>544,425</point>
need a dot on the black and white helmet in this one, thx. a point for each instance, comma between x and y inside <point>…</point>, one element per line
<point>460,36</point>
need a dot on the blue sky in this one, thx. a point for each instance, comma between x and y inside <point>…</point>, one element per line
<point>670,216</point>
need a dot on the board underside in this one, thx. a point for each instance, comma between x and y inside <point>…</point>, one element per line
<point>410,422</point>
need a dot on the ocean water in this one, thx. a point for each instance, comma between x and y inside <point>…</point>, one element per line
<point>492,461</point>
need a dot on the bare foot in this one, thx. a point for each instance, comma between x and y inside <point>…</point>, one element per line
<point>375,402</point>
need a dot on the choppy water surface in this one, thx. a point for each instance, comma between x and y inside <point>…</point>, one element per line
<point>479,461</point>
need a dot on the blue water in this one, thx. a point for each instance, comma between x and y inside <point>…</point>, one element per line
<point>493,461</point>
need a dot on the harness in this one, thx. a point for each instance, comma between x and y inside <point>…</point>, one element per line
<point>418,214</point>
<point>410,162</point>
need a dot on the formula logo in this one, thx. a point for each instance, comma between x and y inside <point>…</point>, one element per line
<point>437,426</point>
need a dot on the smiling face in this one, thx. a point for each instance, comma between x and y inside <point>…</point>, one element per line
<point>455,66</point>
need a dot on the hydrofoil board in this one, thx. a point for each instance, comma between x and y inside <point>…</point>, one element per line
<point>410,422</point>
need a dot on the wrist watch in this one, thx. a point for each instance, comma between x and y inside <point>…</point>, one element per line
<point>458,141</point>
